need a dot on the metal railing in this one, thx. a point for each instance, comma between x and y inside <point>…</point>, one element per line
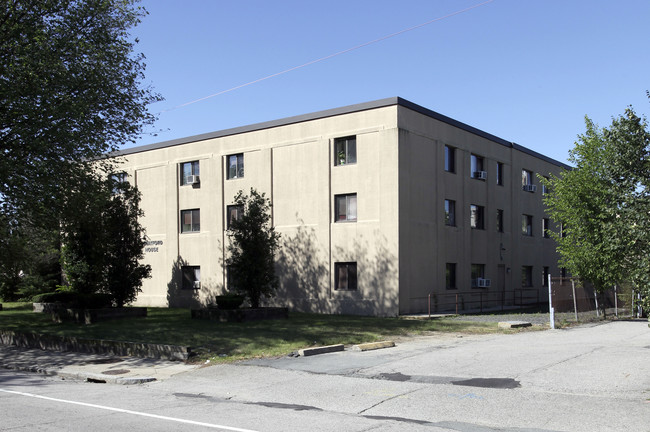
<point>480,301</point>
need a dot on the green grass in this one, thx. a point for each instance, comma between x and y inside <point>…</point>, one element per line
<point>234,341</point>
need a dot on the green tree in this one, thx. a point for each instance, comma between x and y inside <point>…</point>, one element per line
<point>70,91</point>
<point>253,241</point>
<point>104,241</point>
<point>29,260</point>
<point>602,204</point>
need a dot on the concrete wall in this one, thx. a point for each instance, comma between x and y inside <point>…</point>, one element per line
<point>427,244</point>
<point>294,166</point>
<point>399,241</point>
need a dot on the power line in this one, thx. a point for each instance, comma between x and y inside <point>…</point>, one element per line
<point>330,56</point>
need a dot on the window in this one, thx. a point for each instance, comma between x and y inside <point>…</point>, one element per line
<point>527,225</point>
<point>545,228</point>
<point>527,181</point>
<point>476,167</point>
<point>450,159</point>
<point>545,188</point>
<point>450,276</point>
<point>234,213</point>
<point>450,212</point>
<point>189,169</point>
<point>345,208</point>
<point>345,275</point>
<point>235,166</point>
<point>545,274</point>
<point>500,173</point>
<point>190,220</point>
<point>527,276</point>
<point>118,180</point>
<point>191,277</point>
<point>231,284</point>
<point>478,272</point>
<point>476,216</point>
<point>345,150</point>
<point>499,220</point>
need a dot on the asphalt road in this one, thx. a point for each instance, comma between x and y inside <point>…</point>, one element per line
<point>589,378</point>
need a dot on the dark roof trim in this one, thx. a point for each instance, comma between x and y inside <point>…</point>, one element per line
<point>381,103</point>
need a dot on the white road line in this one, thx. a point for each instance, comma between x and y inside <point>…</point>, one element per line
<point>159,417</point>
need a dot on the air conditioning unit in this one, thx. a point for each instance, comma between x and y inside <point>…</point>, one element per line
<point>197,285</point>
<point>483,283</point>
<point>481,175</point>
<point>192,179</point>
<point>529,188</point>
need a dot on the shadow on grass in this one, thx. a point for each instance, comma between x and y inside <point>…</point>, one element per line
<point>237,340</point>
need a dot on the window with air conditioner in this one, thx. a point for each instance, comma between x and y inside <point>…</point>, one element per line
<point>477,274</point>
<point>189,173</point>
<point>191,277</point>
<point>527,181</point>
<point>477,170</point>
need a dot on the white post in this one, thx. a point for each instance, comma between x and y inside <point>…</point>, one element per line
<point>551,311</point>
<point>640,309</point>
<point>575,303</point>
<point>615,302</point>
<point>596,298</point>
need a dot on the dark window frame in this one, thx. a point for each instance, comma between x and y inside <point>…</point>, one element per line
<point>450,159</point>
<point>194,170</point>
<point>450,212</point>
<point>238,171</point>
<point>345,151</point>
<point>189,277</point>
<point>450,276</point>
<point>477,217</point>
<point>345,276</point>
<point>527,225</point>
<point>194,226</point>
<point>349,198</point>
<point>238,211</point>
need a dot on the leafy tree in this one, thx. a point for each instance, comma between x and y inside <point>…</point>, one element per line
<point>124,245</point>
<point>104,241</point>
<point>602,204</point>
<point>253,242</point>
<point>29,260</point>
<point>70,91</point>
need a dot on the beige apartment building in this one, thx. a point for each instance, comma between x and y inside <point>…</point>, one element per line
<point>384,208</point>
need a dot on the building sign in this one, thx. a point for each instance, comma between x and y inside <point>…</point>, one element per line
<point>152,245</point>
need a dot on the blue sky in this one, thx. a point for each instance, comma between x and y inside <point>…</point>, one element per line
<point>525,71</point>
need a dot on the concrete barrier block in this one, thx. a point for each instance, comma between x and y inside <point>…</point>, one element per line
<point>373,346</point>
<point>320,350</point>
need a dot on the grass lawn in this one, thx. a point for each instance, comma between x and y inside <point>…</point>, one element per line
<point>235,341</point>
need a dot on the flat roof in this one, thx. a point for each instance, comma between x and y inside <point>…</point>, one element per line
<point>381,103</point>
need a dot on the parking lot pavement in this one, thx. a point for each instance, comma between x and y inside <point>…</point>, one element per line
<point>90,367</point>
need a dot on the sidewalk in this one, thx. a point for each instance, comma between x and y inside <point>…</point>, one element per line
<point>90,367</point>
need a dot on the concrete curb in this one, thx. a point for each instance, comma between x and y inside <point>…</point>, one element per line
<point>320,350</point>
<point>373,346</point>
<point>82,376</point>
<point>119,348</point>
